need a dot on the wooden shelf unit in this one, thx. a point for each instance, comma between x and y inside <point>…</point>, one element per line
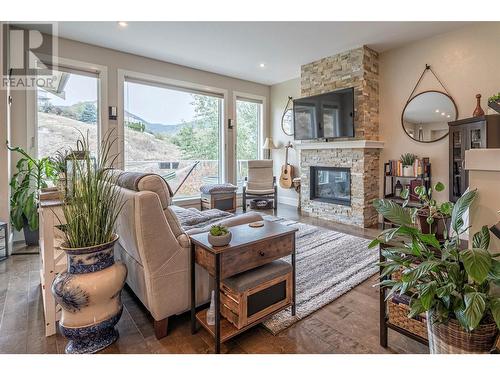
<point>424,178</point>
<point>52,260</point>
<point>227,329</point>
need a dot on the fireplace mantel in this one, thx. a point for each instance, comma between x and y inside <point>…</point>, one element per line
<point>339,144</point>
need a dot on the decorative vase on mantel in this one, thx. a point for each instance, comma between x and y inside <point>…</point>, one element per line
<point>478,111</point>
<point>89,293</point>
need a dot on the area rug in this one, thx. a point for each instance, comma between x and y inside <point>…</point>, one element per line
<point>329,264</point>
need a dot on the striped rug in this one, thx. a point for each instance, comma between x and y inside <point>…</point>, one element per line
<point>329,264</point>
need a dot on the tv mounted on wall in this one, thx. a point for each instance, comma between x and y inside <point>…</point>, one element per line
<point>329,115</point>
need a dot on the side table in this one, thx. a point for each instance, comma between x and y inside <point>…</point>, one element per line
<point>249,248</point>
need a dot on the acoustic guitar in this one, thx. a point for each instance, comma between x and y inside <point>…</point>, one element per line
<point>286,176</point>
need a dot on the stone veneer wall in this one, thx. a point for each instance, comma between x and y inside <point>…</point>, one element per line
<point>364,184</point>
<point>356,68</point>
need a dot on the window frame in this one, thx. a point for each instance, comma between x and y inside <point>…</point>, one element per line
<point>168,83</point>
<point>238,95</point>
<point>78,67</point>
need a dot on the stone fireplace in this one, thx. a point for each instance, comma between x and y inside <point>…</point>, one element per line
<point>340,178</point>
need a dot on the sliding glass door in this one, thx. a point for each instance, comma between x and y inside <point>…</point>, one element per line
<point>248,135</point>
<point>171,131</point>
<point>67,109</point>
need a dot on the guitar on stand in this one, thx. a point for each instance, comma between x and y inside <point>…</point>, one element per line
<point>286,177</point>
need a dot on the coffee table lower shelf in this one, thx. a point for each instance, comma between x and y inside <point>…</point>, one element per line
<point>227,329</point>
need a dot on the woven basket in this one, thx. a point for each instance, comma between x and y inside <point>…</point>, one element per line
<point>451,338</point>
<point>398,311</point>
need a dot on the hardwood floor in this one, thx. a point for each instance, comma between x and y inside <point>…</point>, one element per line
<point>347,325</point>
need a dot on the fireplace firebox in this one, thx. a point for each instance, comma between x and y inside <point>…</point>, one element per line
<point>331,184</point>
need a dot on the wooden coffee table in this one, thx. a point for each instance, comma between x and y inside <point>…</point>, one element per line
<point>249,248</point>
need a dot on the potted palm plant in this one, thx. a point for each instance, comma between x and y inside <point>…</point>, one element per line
<point>89,291</point>
<point>450,284</point>
<point>31,176</point>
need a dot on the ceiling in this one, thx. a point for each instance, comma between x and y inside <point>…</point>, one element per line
<point>237,49</point>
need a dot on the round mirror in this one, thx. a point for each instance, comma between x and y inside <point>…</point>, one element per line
<point>287,122</point>
<point>425,117</point>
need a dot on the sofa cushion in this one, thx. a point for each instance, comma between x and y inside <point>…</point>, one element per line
<point>190,218</point>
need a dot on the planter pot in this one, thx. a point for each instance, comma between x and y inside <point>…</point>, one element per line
<point>408,171</point>
<point>451,338</point>
<point>495,105</point>
<point>89,293</point>
<point>438,226</point>
<point>220,240</point>
<point>30,236</point>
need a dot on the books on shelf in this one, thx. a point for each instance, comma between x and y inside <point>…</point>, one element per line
<point>421,168</point>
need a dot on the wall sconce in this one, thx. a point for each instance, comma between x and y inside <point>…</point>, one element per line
<point>112,113</point>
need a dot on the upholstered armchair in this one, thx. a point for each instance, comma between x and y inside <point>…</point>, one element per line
<point>260,183</point>
<point>156,249</point>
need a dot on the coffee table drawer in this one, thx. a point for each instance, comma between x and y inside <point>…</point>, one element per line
<point>254,255</point>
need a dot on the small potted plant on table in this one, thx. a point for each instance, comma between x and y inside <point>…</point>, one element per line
<point>450,284</point>
<point>219,235</point>
<point>408,160</point>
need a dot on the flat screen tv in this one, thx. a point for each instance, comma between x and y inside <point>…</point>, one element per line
<point>329,115</point>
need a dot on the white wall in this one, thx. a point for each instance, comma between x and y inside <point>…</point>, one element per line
<point>4,135</point>
<point>465,60</point>
<point>279,98</point>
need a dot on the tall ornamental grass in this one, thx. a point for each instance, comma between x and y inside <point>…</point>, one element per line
<point>92,210</point>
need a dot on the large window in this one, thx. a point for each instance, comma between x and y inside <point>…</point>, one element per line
<point>167,130</point>
<point>65,109</point>
<point>248,127</point>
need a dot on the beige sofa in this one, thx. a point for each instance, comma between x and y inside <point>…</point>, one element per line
<point>156,249</point>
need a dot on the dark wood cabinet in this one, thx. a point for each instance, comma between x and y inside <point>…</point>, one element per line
<point>466,134</point>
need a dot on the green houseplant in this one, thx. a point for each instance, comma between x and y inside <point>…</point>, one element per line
<point>219,235</point>
<point>59,162</point>
<point>31,175</point>
<point>408,160</point>
<point>452,285</point>
<point>494,102</point>
<point>89,292</point>
<point>433,217</point>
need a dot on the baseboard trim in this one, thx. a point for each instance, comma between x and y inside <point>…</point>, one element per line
<point>289,201</point>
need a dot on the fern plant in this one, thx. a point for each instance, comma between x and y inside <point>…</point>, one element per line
<point>440,278</point>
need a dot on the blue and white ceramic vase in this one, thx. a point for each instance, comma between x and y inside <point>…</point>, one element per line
<point>90,296</point>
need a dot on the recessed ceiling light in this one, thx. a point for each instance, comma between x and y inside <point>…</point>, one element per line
<point>448,116</point>
<point>122,24</point>
<point>262,65</point>
<point>442,113</point>
<point>437,110</point>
